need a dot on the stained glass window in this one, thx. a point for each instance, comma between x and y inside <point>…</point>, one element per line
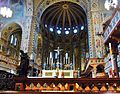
<point>66,32</point>
<point>51,29</point>
<point>15,41</point>
<point>75,30</point>
<point>11,39</point>
<point>59,31</point>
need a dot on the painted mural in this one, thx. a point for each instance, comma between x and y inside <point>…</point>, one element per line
<point>98,16</point>
<point>17,7</point>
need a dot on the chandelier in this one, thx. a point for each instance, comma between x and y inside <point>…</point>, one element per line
<point>5,10</point>
<point>110,4</point>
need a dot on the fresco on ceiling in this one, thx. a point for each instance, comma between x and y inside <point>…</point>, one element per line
<point>16,1</point>
<point>18,11</point>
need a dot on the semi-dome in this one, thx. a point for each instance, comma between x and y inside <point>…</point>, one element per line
<point>64,18</point>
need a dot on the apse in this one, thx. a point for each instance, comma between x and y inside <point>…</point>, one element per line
<point>64,37</point>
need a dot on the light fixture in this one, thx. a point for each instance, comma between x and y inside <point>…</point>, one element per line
<point>5,9</point>
<point>110,4</point>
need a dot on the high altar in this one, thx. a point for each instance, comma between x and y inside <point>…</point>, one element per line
<point>58,68</point>
<point>61,73</point>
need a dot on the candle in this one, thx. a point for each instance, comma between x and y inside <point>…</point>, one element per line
<point>68,59</point>
<point>64,60</point>
<point>47,60</point>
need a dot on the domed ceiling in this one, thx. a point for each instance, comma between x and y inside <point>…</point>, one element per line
<point>64,18</point>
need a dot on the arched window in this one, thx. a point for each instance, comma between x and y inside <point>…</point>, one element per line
<point>15,41</point>
<point>11,39</point>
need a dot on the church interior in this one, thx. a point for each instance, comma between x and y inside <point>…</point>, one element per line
<point>60,45</point>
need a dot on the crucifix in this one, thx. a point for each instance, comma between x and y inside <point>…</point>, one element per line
<point>58,54</point>
<point>58,50</point>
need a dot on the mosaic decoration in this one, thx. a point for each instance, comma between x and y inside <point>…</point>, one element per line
<point>97,19</point>
<point>27,26</point>
<point>18,13</point>
<point>47,3</point>
<point>21,17</point>
<point>90,35</point>
<point>42,6</point>
<point>94,5</point>
<point>29,9</point>
<point>26,35</point>
<point>96,29</point>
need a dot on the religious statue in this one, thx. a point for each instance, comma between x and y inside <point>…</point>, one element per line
<point>24,64</point>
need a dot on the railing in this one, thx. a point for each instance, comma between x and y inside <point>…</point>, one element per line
<point>37,85</point>
<point>7,81</point>
<point>68,84</point>
<point>114,22</point>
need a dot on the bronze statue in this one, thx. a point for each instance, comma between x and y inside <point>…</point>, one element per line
<point>24,64</point>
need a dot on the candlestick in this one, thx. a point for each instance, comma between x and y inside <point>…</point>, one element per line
<point>64,60</point>
<point>47,60</point>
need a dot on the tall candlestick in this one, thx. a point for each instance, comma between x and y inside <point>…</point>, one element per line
<point>112,61</point>
<point>51,63</point>
<point>64,60</point>
<point>73,61</point>
<point>69,60</point>
<point>47,60</point>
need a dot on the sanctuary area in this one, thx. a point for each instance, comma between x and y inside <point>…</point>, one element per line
<point>60,45</point>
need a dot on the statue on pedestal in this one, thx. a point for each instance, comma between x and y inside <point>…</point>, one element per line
<point>22,70</point>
